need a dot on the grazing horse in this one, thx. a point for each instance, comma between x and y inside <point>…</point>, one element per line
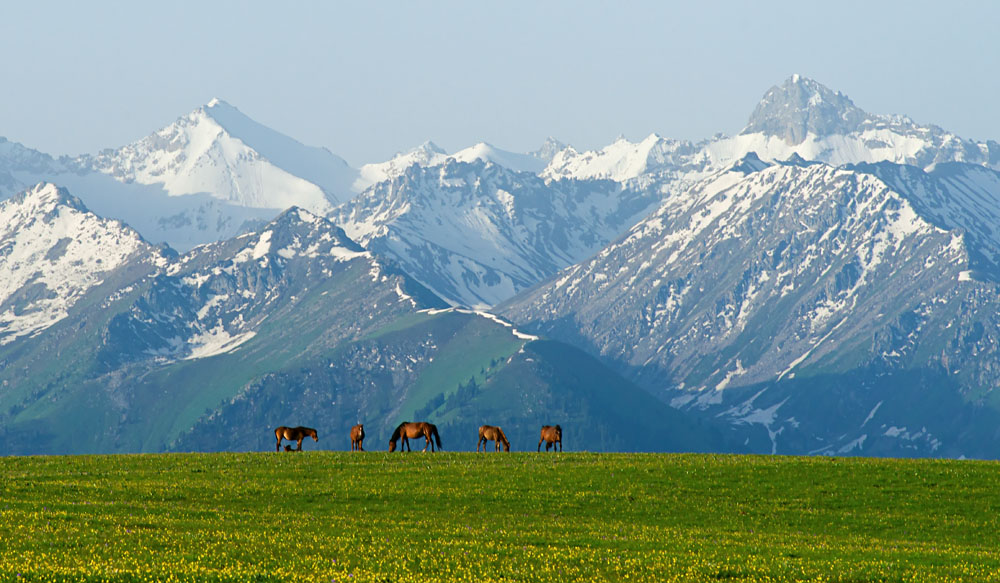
<point>488,432</point>
<point>551,435</point>
<point>357,436</point>
<point>296,434</point>
<point>406,430</point>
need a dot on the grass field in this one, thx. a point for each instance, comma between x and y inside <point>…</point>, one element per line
<point>324,516</point>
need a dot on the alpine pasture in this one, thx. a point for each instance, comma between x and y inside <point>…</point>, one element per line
<point>373,516</point>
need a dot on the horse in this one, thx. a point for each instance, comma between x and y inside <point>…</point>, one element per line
<point>407,430</point>
<point>357,436</point>
<point>488,432</point>
<point>294,434</point>
<point>551,435</point>
<point>288,448</point>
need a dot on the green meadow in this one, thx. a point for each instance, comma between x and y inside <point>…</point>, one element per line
<point>331,516</point>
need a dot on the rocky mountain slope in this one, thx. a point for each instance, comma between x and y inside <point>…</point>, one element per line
<point>769,274</point>
<point>477,233</point>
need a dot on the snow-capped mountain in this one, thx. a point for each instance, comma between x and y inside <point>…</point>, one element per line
<point>52,252</point>
<point>218,150</point>
<point>769,274</point>
<point>798,118</point>
<point>209,176</point>
<point>805,118</point>
<point>477,233</point>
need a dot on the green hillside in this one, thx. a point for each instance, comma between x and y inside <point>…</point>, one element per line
<point>322,516</point>
<point>459,371</point>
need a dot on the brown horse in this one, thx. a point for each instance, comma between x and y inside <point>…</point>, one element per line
<point>357,436</point>
<point>406,430</point>
<point>296,434</point>
<point>488,432</point>
<point>551,435</point>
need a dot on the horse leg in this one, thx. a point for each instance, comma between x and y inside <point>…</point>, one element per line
<point>299,448</point>
<point>560,445</point>
<point>540,444</point>
<point>278,446</point>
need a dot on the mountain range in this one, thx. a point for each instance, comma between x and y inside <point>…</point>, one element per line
<point>117,345</point>
<point>824,282</point>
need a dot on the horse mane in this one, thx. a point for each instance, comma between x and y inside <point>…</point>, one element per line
<point>559,429</point>
<point>503,436</point>
<point>399,429</point>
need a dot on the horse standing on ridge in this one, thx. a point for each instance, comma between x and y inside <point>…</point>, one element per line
<point>357,436</point>
<point>492,432</point>
<point>406,430</point>
<point>551,435</point>
<point>296,434</point>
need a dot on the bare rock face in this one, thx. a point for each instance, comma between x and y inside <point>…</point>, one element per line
<point>802,106</point>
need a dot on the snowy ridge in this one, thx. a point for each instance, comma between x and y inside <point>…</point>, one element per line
<point>426,154</point>
<point>955,196</point>
<point>52,251</point>
<point>488,153</point>
<point>622,160</point>
<point>429,154</point>
<point>482,314</point>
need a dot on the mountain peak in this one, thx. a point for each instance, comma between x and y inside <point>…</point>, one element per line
<point>801,106</point>
<point>429,147</point>
<point>550,147</point>
<point>46,195</point>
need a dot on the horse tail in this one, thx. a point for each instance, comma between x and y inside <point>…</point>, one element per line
<point>437,438</point>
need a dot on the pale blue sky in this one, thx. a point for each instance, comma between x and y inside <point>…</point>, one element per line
<point>369,79</point>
